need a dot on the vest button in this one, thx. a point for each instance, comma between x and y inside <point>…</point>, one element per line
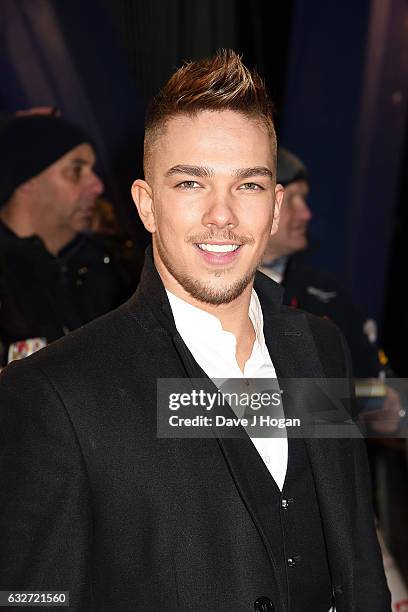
<point>285,502</point>
<point>292,561</point>
<point>263,604</point>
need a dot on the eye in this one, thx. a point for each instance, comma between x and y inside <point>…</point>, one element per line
<point>251,187</point>
<point>188,185</point>
<point>76,172</point>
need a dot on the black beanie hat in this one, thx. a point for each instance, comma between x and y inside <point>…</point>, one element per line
<point>29,144</point>
<point>290,168</point>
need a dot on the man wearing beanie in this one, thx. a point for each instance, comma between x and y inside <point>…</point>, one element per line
<point>312,290</point>
<point>55,275</point>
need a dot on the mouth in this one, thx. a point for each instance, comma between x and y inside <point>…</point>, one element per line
<point>218,253</point>
<point>88,211</point>
<point>299,230</point>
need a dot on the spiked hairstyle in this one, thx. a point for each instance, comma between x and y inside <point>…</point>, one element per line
<point>219,83</point>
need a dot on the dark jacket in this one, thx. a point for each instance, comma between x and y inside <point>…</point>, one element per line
<point>93,502</point>
<point>318,292</point>
<point>43,296</point>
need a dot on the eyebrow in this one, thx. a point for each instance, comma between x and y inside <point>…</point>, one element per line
<point>204,172</point>
<point>80,161</point>
<point>256,171</point>
<point>200,171</point>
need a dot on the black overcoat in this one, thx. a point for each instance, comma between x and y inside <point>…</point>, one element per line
<point>93,502</point>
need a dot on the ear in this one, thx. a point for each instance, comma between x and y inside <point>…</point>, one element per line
<point>279,192</point>
<point>143,198</point>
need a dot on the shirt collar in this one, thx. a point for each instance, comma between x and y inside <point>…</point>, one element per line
<point>275,269</point>
<point>192,321</point>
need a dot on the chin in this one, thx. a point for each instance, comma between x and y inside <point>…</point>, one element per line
<point>299,245</point>
<point>216,293</point>
<point>83,226</point>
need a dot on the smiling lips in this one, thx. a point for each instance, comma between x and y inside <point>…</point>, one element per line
<point>218,254</point>
<point>218,248</point>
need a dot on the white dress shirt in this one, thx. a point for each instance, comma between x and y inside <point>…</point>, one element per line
<point>214,349</point>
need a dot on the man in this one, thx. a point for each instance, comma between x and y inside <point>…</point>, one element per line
<point>93,501</point>
<point>314,291</point>
<point>54,274</point>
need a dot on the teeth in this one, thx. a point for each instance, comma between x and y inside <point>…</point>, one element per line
<point>219,248</point>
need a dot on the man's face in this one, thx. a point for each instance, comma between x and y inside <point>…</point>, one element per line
<point>209,204</point>
<point>294,219</point>
<point>66,191</point>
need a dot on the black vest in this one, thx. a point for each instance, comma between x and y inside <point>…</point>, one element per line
<point>296,536</point>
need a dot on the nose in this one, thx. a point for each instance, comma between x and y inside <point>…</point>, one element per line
<point>303,211</point>
<point>220,212</point>
<point>96,185</point>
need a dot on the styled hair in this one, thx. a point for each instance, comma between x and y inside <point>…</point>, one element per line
<point>218,83</point>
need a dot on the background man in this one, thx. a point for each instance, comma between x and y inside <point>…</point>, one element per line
<point>54,274</point>
<point>92,500</point>
<point>318,292</point>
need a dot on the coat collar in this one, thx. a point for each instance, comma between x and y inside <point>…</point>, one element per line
<point>287,333</point>
<point>151,296</point>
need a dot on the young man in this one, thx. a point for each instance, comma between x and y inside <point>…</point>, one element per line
<point>55,275</point>
<point>93,501</point>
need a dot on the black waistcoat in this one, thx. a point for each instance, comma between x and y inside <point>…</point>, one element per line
<point>296,525</point>
<point>290,524</point>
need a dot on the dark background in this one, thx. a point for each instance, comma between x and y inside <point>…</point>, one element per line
<point>338,75</point>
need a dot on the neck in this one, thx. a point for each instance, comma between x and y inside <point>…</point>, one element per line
<point>55,241</point>
<point>25,225</point>
<point>234,318</point>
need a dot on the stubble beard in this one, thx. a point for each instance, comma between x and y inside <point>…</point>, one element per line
<point>205,292</point>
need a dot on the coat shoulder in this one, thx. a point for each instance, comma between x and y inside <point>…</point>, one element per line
<point>328,339</point>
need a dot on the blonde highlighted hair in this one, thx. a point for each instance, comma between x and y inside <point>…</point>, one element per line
<point>219,83</point>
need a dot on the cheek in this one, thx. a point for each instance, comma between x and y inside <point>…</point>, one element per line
<point>71,210</point>
<point>258,220</point>
<point>67,198</point>
<point>175,217</point>
<point>47,194</point>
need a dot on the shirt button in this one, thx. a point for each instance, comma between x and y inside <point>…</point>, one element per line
<point>263,604</point>
<point>106,259</point>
